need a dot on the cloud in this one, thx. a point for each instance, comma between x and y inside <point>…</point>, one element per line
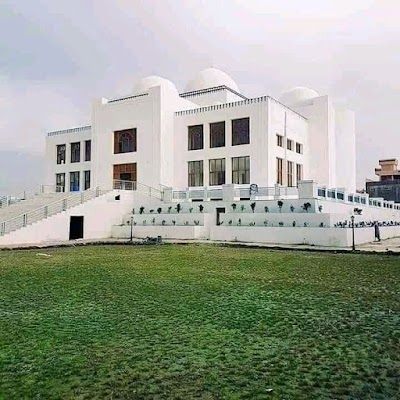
<point>29,109</point>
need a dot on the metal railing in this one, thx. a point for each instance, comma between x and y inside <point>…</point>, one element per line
<point>6,201</point>
<point>354,198</point>
<point>48,210</point>
<point>139,187</point>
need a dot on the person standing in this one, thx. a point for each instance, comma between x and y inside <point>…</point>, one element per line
<point>377,233</point>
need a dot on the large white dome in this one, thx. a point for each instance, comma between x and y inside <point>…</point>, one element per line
<point>297,95</point>
<point>211,77</point>
<point>150,81</point>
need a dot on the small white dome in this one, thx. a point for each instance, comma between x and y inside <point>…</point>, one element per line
<point>150,81</point>
<point>297,95</point>
<point>211,77</point>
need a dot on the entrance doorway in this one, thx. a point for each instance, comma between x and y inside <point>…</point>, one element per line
<point>76,228</point>
<point>220,211</point>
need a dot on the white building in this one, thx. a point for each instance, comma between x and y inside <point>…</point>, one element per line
<point>209,135</point>
<point>208,163</point>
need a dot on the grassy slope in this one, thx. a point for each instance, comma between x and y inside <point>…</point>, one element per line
<point>198,322</point>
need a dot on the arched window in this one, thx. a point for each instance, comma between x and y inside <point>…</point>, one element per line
<point>125,141</point>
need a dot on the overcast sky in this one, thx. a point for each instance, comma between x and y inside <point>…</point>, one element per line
<point>56,55</point>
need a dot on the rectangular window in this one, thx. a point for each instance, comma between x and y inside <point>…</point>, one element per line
<point>279,140</point>
<point>74,181</point>
<point>61,150</point>
<point>240,131</point>
<point>88,150</point>
<point>217,134</point>
<point>290,144</point>
<point>60,182</point>
<point>299,148</point>
<point>125,141</point>
<point>217,171</point>
<point>75,152</point>
<point>87,180</point>
<point>195,173</point>
<point>290,173</point>
<point>279,171</point>
<point>195,137</point>
<point>241,170</point>
<point>299,172</point>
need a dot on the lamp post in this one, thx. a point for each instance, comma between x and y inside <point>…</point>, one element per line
<point>131,239</point>
<point>353,247</point>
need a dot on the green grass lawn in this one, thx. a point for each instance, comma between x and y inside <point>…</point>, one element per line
<point>198,321</point>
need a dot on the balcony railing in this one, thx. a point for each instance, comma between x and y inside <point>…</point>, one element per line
<point>139,187</point>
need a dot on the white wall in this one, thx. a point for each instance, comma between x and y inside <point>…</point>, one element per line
<point>100,214</point>
<point>345,149</point>
<point>52,168</point>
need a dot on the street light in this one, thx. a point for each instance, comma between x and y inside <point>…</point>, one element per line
<point>131,228</point>
<point>352,229</point>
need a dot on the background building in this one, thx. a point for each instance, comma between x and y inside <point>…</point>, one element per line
<point>388,186</point>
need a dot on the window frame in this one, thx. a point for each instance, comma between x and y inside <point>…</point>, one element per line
<point>279,171</point>
<point>238,172</point>
<point>299,148</point>
<point>217,138</point>
<point>279,140</point>
<point>290,173</point>
<point>118,143</point>
<point>60,187</point>
<point>59,154</point>
<point>192,139</point>
<point>289,144</point>
<point>88,150</point>
<point>76,174</point>
<point>299,176</point>
<point>192,177</point>
<point>75,152</point>
<point>87,182</point>
<point>216,170</point>
<point>240,138</point>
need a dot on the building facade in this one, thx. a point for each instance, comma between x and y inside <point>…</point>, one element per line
<point>208,136</point>
<point>388,186</point>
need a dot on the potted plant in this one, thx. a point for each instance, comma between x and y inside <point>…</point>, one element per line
<point>230,222</point>
<point>159,210</point>
<point>196,222</point>
<point>134,223</point>
<point>239,222</point>
<point>294,223</point>
<point>169,209</point>
<point>163,222</point>
<point>253,206</point>
<point>144,222</point>
<point>186,223</point>
<point>280,205</point>
<point>151,211</point>
<point>173,222</point>
<point>233,205</point>
<point>178,208</point>
<point>266,223</point>
<point>153,221</point>
<point>306,206</point>
<point>291,207</point>
<point>242,207</point>
<point>320,208</point>
<point>190,209</point>
<point>321,225</point>
<point>266,209</point>
<point>201,208</point>
<point>133,211</point>
<point>141,210</point>
<point>305,224</point>
<point>280,223</point>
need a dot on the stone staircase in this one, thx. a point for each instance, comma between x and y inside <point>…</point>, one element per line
<point>41,206</point>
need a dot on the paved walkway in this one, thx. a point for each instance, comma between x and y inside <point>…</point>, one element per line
<point>389,245</point>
